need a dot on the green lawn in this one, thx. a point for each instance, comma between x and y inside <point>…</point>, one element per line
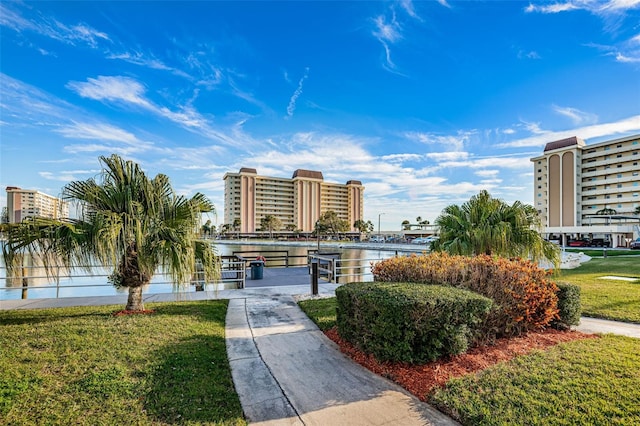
<point>585,382</point>
<point>83,366</point>
<point>603,298</point>
<point>600,252</point>
<point>590,382</point>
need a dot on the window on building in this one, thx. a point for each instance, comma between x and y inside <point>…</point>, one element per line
<point>619,196</point>
<point>607,196</point>
<point>619,205</point>
<point>619,156</point>
<point>539,186</point>
<point>606,148</point>
<point>539,178</point>
<point>539,170</point>
<point>619,185</point>
<point>539,195</point>
<point>635,194</point>
<point>634,153</point>
<point>634,143</point>
<point>618,146</point>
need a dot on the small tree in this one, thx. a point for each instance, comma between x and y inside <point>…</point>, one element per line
<point>270,223</point>
<point>130,224</point>
<point>330,223</point>
<point>362,226</point>
<point>486,225</point>
<point>206,228</point>
<point>236,225</point>
<point>406,225</point>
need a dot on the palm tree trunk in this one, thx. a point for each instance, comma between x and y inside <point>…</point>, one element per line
<point>134,302</point>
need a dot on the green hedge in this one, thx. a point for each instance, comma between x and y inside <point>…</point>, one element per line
<point>569,306</point>
<point>409,322</point>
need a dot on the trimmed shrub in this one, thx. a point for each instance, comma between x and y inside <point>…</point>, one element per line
<point>569,307</point>
<point>409,322</point>
<point>525,299</point>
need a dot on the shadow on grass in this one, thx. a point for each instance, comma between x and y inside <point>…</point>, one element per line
<point>36,316</point>
<point>192,383</point>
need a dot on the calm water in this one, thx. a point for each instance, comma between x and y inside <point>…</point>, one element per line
<point>97,284</point>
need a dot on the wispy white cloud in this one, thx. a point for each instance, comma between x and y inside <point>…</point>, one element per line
<point>444,3</point>
<point>532,54</point>
<point>78,34</point>
<point>455,142</point>
<point>552,8</point>
<point>576,116</point>
<point>624,126</point>
<point>292,102</point>
<point>447,156</point>
<point>487,173</point>
<point>112,88</point>
<point>612,12</point>
<point>594,6</point>
<point>129,92</point>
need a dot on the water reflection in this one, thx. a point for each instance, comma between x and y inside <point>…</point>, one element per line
<point>355,262</point>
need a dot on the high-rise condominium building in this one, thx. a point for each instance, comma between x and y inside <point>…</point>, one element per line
<point>298,201</point>
<point>23,203</point>
<point>589,191</point>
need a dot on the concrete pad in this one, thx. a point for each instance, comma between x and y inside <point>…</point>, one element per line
<point>595,325</point>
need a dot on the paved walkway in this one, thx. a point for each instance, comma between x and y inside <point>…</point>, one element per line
<point>286,371</point>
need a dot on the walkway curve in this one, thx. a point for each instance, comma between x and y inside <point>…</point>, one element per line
<point>287,372</point>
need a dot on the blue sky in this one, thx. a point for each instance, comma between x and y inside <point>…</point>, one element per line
<point>425,102</point>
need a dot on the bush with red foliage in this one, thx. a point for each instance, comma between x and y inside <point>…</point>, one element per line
<point>525,298</point>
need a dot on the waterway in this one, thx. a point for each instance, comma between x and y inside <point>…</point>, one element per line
<point>357,257</point>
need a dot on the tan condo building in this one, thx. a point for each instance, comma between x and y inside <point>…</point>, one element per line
<point>589,191</point>
<point>24,203</point>
<point>298,201</point>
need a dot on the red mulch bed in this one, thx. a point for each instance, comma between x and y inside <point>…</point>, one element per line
<point>125,312</point>
<point>421,380</point>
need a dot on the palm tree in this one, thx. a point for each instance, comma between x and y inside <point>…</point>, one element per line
<point>637,210</point>
<point>485,225</point>
<point>406,225</point>
<point>129,223</point>
<point>270,223</point>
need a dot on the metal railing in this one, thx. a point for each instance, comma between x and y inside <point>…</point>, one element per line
<point>232,275</point>
<point>340,271</point>
<point>273,258</point>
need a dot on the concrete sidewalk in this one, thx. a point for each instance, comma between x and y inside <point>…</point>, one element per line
<point>287,372</point>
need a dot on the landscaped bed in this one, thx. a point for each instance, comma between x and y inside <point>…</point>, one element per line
<point>545,378</point>
<point>86,366</point>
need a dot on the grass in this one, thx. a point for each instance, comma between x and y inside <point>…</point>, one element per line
<point>600,252</point>
<point>603,298</point>
<point>321,311</point>
<point>587,382</point>
<point>592,381</point>
<point>84,366</point>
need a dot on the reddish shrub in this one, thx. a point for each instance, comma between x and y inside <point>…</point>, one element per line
<point>525,299</point>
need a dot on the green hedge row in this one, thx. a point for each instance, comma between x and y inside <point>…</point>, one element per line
<point>569,307</point>
<point>409,322</point>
